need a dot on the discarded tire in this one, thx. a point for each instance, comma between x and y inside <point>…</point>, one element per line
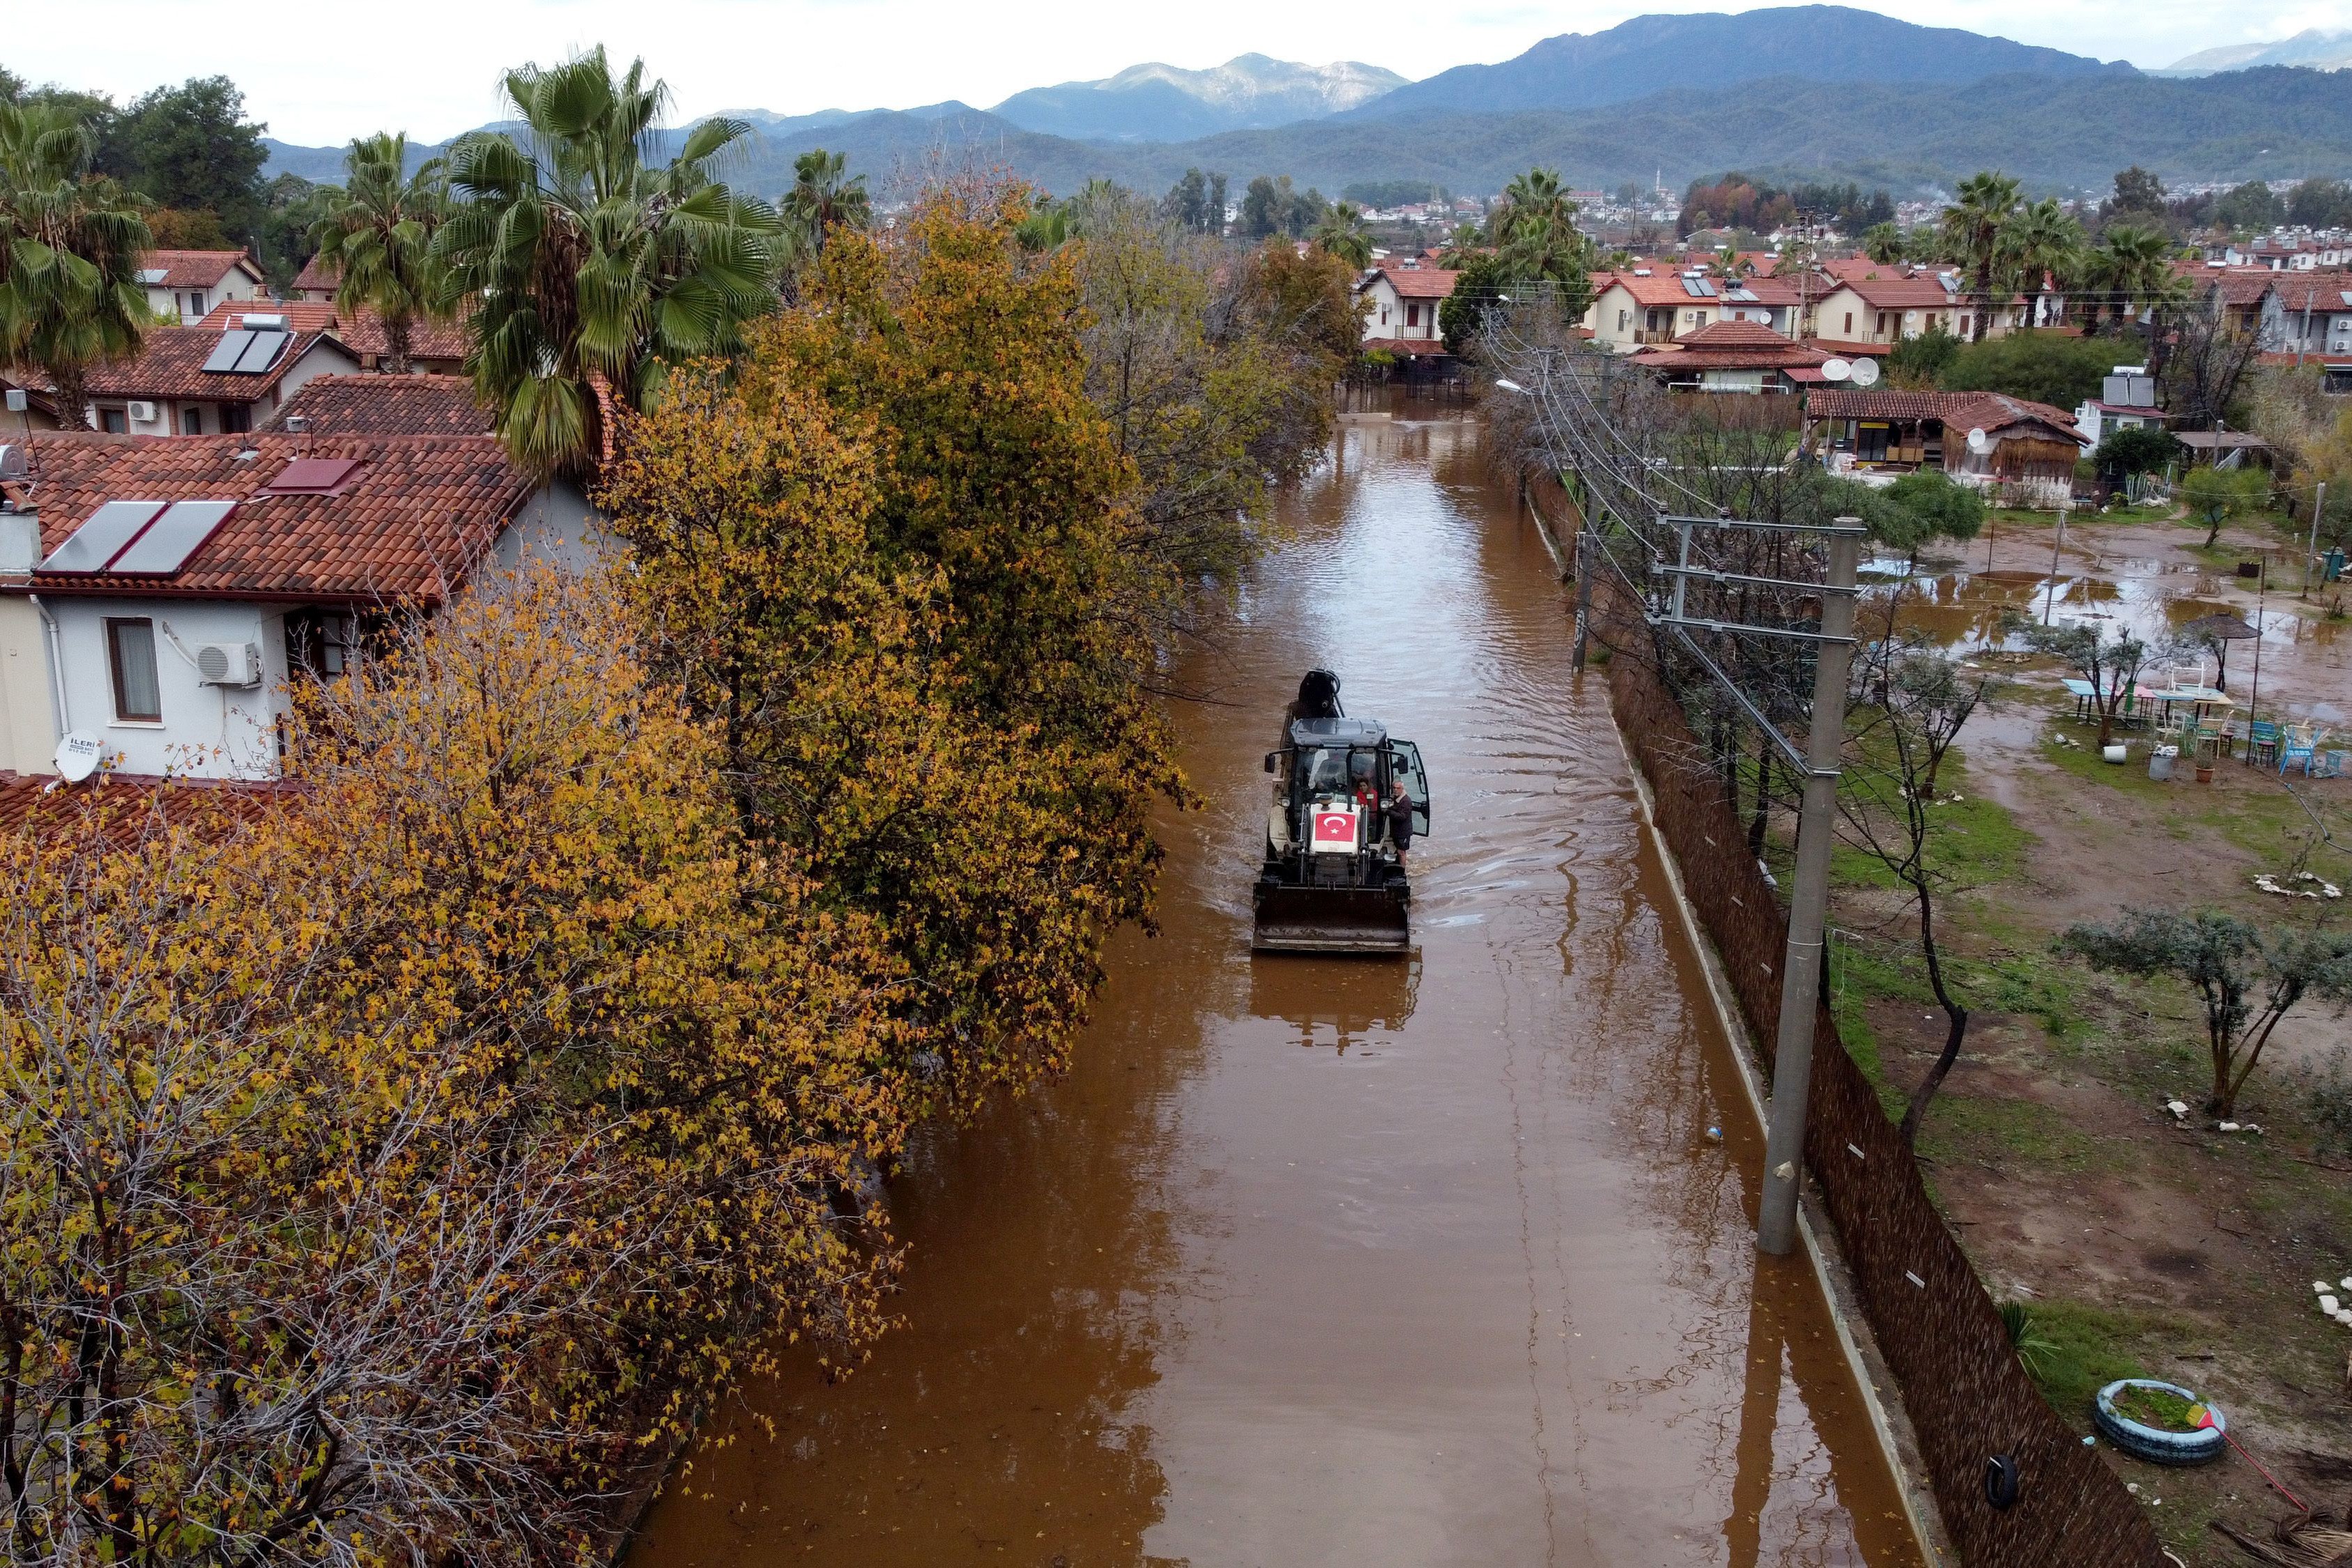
<point>2154,1444</point>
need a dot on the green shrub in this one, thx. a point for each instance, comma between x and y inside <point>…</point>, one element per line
<point>2055,368</point>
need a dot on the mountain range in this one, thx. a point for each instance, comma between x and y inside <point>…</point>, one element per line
<point>2327,49</point>
<point>1162,103</point>
<point>1822,91</point>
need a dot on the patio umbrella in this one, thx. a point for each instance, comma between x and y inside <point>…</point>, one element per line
<point>2220,630</point>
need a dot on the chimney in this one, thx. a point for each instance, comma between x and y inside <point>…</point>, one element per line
<point>20,541</point>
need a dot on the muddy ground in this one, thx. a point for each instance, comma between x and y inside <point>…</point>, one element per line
<point>2142,1246</point>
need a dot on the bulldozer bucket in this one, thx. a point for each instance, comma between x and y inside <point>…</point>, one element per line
<point>1330,919</point>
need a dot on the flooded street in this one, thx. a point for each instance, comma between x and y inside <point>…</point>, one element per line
<point>1352,1262</point>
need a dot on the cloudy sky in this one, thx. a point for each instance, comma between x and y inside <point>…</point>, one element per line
<point>320,75</point>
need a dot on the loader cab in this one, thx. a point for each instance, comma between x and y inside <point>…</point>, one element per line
<point>1327,761</point>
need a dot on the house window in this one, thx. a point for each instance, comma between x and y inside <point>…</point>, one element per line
<point>1966,323</point>
<point>131,658</point>
<point>1624,320</point>
<point>1412,315</point>
<point>1384,315</point>
<point>320,641</point>
<point>192,421</point>
<point>114,421</point>
<point>196,303</point>
<point>1849,324</point>
<point>236,418</point>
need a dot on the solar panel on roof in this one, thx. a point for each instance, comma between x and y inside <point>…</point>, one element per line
<point>171,538</point>
<point>101,536</point>
<point>263,353</point>
<point>226,352</point>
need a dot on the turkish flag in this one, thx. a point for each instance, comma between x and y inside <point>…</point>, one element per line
<point>1335,829</point>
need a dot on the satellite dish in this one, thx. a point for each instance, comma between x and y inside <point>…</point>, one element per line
<point>1835,370</point>
<point>77,756</point>
<point>1865,372</point>
<point>1978,442</point>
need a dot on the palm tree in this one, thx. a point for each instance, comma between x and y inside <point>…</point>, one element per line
<point>1462,247</point>
<point>2044,242</point>
<point>1536,197</point>
<point>1885,244</point>
<point>70,244</point>
<point>821,197</point>
<point>2134,266</point>
<point>376,231</point>
<point>1972,233</point>
<point>586,271</point>
<point>1342,234</point>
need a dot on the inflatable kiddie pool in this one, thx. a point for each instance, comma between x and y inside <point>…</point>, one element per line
<point>2158,1422</point>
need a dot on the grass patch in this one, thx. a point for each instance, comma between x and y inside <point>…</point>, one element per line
<point>1973,842</point>
<point>2086,1348</point>
<point>1859,975</point>
<point>1962,1126</point>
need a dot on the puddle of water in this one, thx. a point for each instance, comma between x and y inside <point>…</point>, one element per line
<point>1351,1262</point>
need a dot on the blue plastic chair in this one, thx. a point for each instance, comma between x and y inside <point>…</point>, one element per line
<point>2263,740</point>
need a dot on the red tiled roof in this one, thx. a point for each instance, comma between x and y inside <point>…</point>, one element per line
<point>364,333</point>
<point>172,366</point>
<point>195,268</point>
<point>2239,285</point>
<point>314,276</point>
<point>415,516</point>
<point>301,315</point>
<point>2317,291</point>
<point>1661,287</point>
<point>388,406</point>
<point>1893,292</point>
<point>118,805</point>
<point>1793,290</point>
<point>1730,345</point>
<point>1991,411</point>
<point>1417,282</point>
<point>361,332</point>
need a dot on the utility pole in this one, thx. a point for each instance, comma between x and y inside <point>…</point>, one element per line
<point>1801,969</point>
<point>2050,595</point>
<point>2311,552</point>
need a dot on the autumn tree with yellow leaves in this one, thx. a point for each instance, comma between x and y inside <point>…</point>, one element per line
<point>396,1164</point>
<point>895,561</point>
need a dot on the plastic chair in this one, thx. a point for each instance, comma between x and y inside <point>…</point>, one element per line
<point>2293,752</point>
<point>2262,741</point>
<point>2329,765</point>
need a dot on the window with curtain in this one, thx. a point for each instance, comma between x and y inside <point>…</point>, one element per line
<point>130,654</point>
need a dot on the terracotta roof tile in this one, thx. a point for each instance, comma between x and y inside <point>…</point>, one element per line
<point>1992,411</point>
<point>1730,345</point>
<point>172,366</point>
<point>387,406</point>
<point>361,332</point>
<point>195,268</point>
<point>415,515</point>
<point>315,276</point>
<point>1417,282</point>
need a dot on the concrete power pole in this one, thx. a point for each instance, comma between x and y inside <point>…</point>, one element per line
<point>1801,969</point>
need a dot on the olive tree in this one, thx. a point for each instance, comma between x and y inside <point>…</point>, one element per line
<point>1912,703</point>
<point>2248,976</point>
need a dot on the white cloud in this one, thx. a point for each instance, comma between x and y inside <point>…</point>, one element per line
<point>431,67</point>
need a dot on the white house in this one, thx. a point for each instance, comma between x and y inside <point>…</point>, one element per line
<point>186,284</point>
<point>1404,305</point>
<point>156,596</point>
<point>2126,401</point>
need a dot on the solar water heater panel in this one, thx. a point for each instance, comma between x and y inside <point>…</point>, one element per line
<point>262,353</point>
<point>101,536</point>
<point>226,352</point>
<point>173,537</point>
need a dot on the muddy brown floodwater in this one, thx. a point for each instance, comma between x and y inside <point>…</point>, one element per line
<point>1352,1262</point>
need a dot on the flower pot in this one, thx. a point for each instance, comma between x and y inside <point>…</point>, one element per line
<point>2204,773</point>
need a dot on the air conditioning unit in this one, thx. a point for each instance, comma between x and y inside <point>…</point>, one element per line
<point>143,413</point>
<point>228,664</point>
